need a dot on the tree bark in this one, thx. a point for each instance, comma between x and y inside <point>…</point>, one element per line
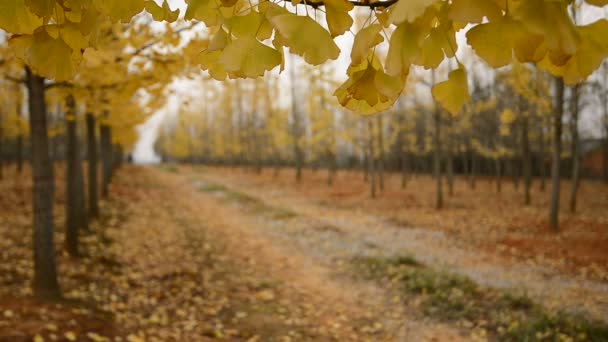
<point>72,220</point>
<point>1,152</point>
<point>106,158</point>
<point>380,124</point>
<point>93,182</point>
<point>45,284</point>
<point>371,159</point>
<point>498,167</point>
<point>296,129</point>
<point>437,160</point>
<point>542,157</point>
<point>526,159</point>
<point>575,152</point>
<point>450,169</point>
<point>556,153</point>
<point>404,170</point>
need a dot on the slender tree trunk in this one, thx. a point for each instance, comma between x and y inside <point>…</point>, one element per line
<point>437,160</point>
<point>472,179</point>
<point>371,159</point>
<point>450,170</point>
<point>526,159</point>
<point>380,124</point>
<point>1,152</point>
<point>366,165</point>
<point>296,129</point>
<point>72,220</point>
<point>404,171</point>
<point>92,157</point>
<point>556,153</point>
<point>498,167</point>
<point>106,158</point>
<point>20,153</point>
<point>542,158</point>
<point>45,282</point>
<point>575,147</point>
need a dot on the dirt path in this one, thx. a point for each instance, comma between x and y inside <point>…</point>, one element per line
<point>291,296</point>
<point>327,234</point>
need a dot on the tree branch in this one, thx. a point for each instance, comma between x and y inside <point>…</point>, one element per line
<point>372,5</point>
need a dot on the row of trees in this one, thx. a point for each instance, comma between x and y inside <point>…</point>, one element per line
<point>508,129</point>
<point>91,118</point>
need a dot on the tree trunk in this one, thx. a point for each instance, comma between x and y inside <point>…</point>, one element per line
<point>370,159</point>
<point>45,282</point>
<point>72,219</point>
<point>1,153</point>
<point>20,153</point>
<point>437,160</point>
<point>575,147</point>
<point>526,160</point>
<point>106,158</point>
<point>404,170</point>
<point>450,170</point>
<point>556,153</point>
<point>472,179</point>
<point>92,156</point>
<point>542,158</point>
<point>296,129</point>
<point>498,168</point>
<point>380,123</point>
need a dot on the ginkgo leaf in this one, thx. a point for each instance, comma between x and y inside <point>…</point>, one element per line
<point>369,90</point>
<point>365,39</point>
<point>247,57</point>
<point>47,56</point>
<point>163,13</point>
<point>473,11</point>
<point>434,48</point>
<point>16,18</point>
<point>550,20</point>
<point>338,19</point>
<point>453,93</point>
<point>404,47</point>
<point>483,39</point>
<point>42,8</point>
<point>120,10</point>
<point>305,37</point>
<point>251,24</point>
<point>408,10</point>
<point>591,53</point>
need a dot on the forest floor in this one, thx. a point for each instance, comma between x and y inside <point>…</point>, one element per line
<point>196,253</point>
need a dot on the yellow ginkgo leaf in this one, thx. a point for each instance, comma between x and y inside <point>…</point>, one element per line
<point>42,8</point>
<point>435,47</point>
<point>16,18</point>
<point>120,10</point>
<point>403,49</point>
<point>483,39</point>
<point>369,90</point>
<point>453,93</point>
<point>47,56</point>
<point>247,58</point>
<point>163,13</point>
<point>590,54</point>
<point>338,19</point>
<point>251,24</point>
<point>365,39</point>
<point>408,10</point>
<point>473,11</point>
<point>550,20</point>
<point>305,37</point>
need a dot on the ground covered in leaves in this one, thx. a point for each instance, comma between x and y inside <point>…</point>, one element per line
<point>197,253</point>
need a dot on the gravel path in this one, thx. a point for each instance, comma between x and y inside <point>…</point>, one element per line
<point>329,235</point>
